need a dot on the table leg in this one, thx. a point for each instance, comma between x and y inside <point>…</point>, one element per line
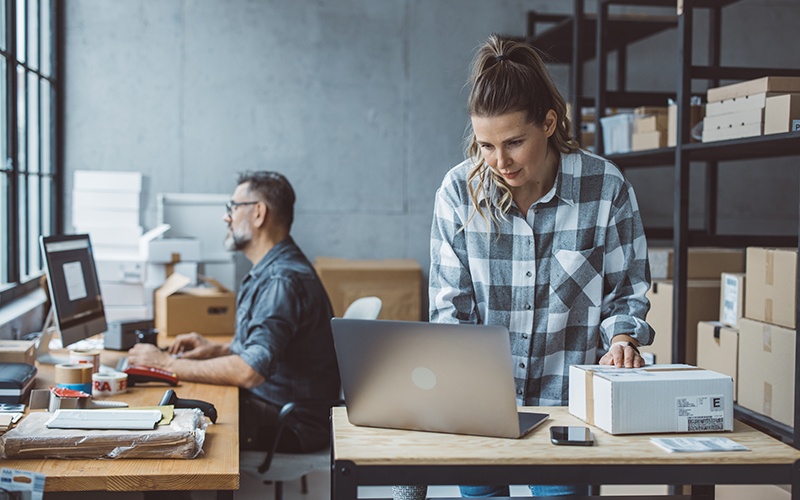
<point>796,481</point>
<point>344,481</point>
<point>703,491</point>
<point>224,494</point>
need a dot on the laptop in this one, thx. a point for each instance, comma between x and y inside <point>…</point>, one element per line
<point>430,377</point>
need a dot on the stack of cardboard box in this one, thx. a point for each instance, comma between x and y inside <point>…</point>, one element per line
<point>705,266</point>
<point>767,333</point>
<point>696,113</point>
<point>740,110</point>
<point>649,128</point>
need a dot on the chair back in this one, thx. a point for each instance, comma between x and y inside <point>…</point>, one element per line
<point>364,308</point>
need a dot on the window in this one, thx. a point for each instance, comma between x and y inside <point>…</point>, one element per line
<point>29,181</point>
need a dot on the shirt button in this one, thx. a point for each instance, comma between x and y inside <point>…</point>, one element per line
<point>524,335</point>
<point>519,392</point>
<point>536,210</point>
<point>529,274</point>
<point>527,306</point>
<point>522,365</point>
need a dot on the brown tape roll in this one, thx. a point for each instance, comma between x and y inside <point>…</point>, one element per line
<point>91,356</point>
<point>74,373</point>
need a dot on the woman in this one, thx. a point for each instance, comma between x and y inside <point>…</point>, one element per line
<point>536,235</point>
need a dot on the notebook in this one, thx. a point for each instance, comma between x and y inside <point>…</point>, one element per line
<point>430,377</point>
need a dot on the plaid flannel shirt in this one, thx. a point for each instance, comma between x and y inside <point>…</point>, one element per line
<point>576,268</point>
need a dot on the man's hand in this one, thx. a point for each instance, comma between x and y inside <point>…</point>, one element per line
<point>149,355</point>
<point>195,346</point>
<point>620,356</point>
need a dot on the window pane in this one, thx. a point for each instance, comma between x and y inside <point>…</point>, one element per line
<point>33,225</point>
<point>21,30</point>
<point>46,31</point>
<point>46,128</point>
<point>21,139</point>
<point>33,34</point>
<point>23,225</point>
<point>3,102</point>
<point>47,205</point>
<point>33,122</point>
<point>3,24</point>
<point>3,228</point>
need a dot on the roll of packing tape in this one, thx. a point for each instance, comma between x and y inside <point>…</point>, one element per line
<point>87,388</point>
<point>74,373</point>
<point>108,384</point>
<point>92,357</point>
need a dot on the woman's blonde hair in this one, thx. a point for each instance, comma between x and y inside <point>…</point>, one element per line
<point>508,76</point>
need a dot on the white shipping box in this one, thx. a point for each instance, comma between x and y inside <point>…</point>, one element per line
<point>168,250</point>
<point>94,200</point>
<point>731,300</point>
<point>736,104</point>
<point>127,236</point>
<point>120,270</point>
<point>120,313</point>
<point>658,398</point>
<point>91,180</point>
<point>123,294</point>
<point>104,218</point>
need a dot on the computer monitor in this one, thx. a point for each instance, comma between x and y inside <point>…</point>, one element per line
<point>77,307</point>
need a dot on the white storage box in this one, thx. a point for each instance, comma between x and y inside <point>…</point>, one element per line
<point>92,180</point>
<point>168,250</point>
<point>658,398</point>
<point>617,132</point>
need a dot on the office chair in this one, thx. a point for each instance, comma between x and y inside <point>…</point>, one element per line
<point>271,466</point>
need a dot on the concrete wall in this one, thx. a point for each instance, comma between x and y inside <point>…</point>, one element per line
<point>360,103</point>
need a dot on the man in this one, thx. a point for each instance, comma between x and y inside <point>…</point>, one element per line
<point>283,346</point>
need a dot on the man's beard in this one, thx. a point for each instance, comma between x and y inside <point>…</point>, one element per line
<point>238,240</point>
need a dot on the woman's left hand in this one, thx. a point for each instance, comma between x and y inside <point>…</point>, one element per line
<point>620,356</point>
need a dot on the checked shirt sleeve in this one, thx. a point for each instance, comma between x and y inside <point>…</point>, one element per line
<point>627,273</point>
<point>451,295</point>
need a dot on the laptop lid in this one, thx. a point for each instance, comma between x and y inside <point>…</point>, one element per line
<point>428,376</point>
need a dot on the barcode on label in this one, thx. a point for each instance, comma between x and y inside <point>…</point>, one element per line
<point>705,424</point>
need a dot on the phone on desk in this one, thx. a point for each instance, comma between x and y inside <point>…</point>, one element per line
<point>141,374</point>
<point>580,436</point>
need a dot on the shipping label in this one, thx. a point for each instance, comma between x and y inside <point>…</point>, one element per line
<point>700,413</point>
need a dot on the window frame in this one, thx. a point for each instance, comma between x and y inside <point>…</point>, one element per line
<point>16,252</point>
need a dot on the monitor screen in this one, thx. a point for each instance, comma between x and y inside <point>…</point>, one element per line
<point>74,288</point>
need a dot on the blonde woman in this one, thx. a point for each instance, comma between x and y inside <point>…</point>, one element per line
<point>534,234</point>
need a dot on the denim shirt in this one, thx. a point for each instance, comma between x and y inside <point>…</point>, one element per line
<point>283,332</point>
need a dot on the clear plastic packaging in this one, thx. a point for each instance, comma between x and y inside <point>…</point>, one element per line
<point>182,438</point>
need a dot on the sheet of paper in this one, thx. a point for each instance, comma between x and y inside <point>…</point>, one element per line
<point>73,276</point>
<point>104,419</point>
<point>695,444</point>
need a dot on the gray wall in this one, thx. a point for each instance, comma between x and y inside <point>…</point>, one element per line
<point>360,103</point>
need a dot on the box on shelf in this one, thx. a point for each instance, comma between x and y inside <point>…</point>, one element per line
<point>651,119</point>
<point>697,113</point>
<point>702,304</point>
<point>783,84</point>
<point>736,104</point>
<point>767,369</point>
<point>641,141</point>
<point>205,310</point>
<point>782,114</point>
<point>102,200</point>
<point>617,130</point>
<point>703,263</point>
<point>771,291</point>
<point>92,180</point>
<point>663,398</point>
<point>104,218</point>
<point>123,294</point>
<point>397,282</point>
<point>718,350</point>
<point>746,123</point>
<point>126,313</point>
<point>168,250</point>
<point>18,351</point>
<point>120,270</point>
<point>731,300</point>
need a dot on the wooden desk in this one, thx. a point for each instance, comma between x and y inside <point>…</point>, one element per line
<point>373,456</point>
<point>217,468</point>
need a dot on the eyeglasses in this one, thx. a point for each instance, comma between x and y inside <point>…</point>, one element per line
<point>229,206</point>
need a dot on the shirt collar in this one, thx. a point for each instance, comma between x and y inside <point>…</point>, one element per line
<point>276,251</point>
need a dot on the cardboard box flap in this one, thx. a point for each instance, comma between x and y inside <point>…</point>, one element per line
<point>216,284</point>
<point>173,284</point>
<point>154,233</point>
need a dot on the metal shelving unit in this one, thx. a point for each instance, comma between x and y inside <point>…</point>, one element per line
<point>560,38</point>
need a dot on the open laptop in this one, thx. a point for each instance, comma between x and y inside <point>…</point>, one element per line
<point>430,377</point>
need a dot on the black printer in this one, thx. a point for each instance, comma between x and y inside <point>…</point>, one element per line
<point>16,382</point>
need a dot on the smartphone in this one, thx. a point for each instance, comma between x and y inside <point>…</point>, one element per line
<point>579,436</point>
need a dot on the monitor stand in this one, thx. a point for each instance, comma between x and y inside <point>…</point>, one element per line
<point>43,355</point>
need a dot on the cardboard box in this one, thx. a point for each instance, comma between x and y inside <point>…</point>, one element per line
<point>101,200</point>
<point>767,369</point>
<point>731,300</point>
<point>771,291</point>
<point>782,84</point>
<point>697,113</point>
<point>92,180</point>
<point>153,248</point>
<point>18,351</point>
<point>652,123</point>
<point>718,350</point>
<point>180,309</point>
<point>122,294</point>
<point>104,218</point>
<point>398,283</point>
<point>128,313</point>
<point>782,114</point>
<point>120,270</point>
<point>703,263</point>
<point>702,304</point>
<point>641,141</point>
<point>665,398</point>
<point>737,104</point>
<point>746,123</point>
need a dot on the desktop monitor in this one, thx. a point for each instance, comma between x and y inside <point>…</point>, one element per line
<point>77,307</point>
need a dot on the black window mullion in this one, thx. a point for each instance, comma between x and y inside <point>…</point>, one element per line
<point>11,133</point>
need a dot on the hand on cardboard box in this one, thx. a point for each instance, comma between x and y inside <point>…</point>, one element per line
<point>623,354</point>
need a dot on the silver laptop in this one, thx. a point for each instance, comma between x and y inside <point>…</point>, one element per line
<point>430,377</point>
